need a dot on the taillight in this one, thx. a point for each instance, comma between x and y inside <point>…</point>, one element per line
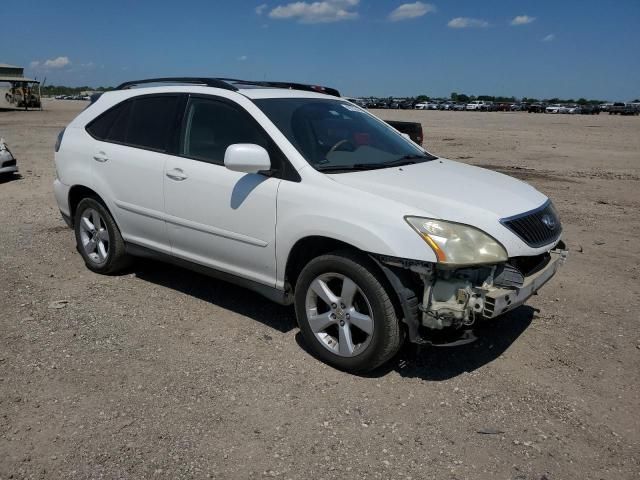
<point>59,140</point>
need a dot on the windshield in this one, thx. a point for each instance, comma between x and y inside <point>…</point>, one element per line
<point>333,135</point>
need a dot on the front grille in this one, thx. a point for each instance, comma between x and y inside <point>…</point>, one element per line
<point>536,228</point>
<point>8,163</point>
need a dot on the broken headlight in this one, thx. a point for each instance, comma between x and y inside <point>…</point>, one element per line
<point>458,244</point>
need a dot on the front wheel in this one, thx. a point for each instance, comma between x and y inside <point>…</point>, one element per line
<point>345,313</point>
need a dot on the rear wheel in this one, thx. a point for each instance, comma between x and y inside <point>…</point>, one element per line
<point>345,313</point>
<point>98,238</point>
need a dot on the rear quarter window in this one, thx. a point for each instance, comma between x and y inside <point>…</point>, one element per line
<point>150,119</point>
<point>99,128</point>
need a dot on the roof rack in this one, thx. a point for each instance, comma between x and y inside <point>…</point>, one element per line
<point>228,84</point>
<point>209,82</point>
<point>287,85</point>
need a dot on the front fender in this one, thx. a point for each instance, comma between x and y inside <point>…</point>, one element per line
<point>371,224</point>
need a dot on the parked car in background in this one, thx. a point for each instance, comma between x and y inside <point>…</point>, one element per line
<point>8,163</point>
<point>374,103</point>
<point>490,107</point>
<point>537,108</point>
<point>574,109</point>
<point>426,106</point>
<point>412,129</point>
<point>446,106</point>
<point>620,108</point>
<point>358,101</point>
<point>590,110</point>
<point>291,191</point>
<point>459,107</point>
<point>476,105</point>
<point>555,108</point>
<point>604,107</point>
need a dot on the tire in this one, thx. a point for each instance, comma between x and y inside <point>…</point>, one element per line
<point>98,238</point>
<point>325,336</point>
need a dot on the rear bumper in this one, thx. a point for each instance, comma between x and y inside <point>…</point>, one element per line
<point>61,192</point>
<point>500,300</point>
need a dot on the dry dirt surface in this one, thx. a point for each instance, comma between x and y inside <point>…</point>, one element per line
<point>162,373</point>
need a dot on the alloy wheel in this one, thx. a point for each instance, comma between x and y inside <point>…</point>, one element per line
<point>339,314</point>
<point>94,236</point>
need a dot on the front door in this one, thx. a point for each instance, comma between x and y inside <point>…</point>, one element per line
<point>216,217</point>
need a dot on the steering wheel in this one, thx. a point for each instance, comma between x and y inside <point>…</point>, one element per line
<point>341,142</point>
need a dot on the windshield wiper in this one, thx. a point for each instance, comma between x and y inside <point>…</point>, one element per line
<point>404,160</point>
<point>339,168</point>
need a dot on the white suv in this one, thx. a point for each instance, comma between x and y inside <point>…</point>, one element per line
<point>302,196</point>
<point>476,105</point>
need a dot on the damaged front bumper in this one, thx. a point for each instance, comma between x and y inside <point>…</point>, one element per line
<point>434,298</point>
<point>500,300</point>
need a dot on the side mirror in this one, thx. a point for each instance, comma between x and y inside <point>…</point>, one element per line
<point>247,158</point>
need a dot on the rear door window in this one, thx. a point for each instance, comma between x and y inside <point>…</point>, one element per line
<point>150,120</point>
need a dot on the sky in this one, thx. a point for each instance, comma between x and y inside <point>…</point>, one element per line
<point>533,48</point>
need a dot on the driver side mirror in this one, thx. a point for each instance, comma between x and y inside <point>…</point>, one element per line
<point>247,158</point>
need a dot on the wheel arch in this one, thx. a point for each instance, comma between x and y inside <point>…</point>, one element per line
<point>78,192</point>
<point>312,246</point>
<point>308,248</point>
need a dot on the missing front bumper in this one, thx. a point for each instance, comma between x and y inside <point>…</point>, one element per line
<point>461,297</point>
<point>413,283</point>
<point>500,300</point>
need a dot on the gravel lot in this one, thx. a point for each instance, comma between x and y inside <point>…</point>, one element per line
<point>162,373</point>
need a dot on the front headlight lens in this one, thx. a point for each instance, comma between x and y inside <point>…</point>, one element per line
<point>458,244</point>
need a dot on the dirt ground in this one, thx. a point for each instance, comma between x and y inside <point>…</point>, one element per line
<point>162,373</point>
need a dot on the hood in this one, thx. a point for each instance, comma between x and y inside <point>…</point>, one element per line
<point>451,191</point>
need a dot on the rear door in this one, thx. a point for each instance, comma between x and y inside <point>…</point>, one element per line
<point>216,217</point>
<point>129,158</point>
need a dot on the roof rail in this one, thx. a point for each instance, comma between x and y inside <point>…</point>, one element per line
<point>209,82</point>
<point>228,84</point>
<point>287,85</point>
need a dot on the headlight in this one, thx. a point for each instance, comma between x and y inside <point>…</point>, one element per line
<point>458,244</point>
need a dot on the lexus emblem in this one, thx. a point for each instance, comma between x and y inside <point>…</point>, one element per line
<point>549,221</point>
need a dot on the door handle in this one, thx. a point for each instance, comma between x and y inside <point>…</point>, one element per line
<point>100,157</point>
<point>177,174</point>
